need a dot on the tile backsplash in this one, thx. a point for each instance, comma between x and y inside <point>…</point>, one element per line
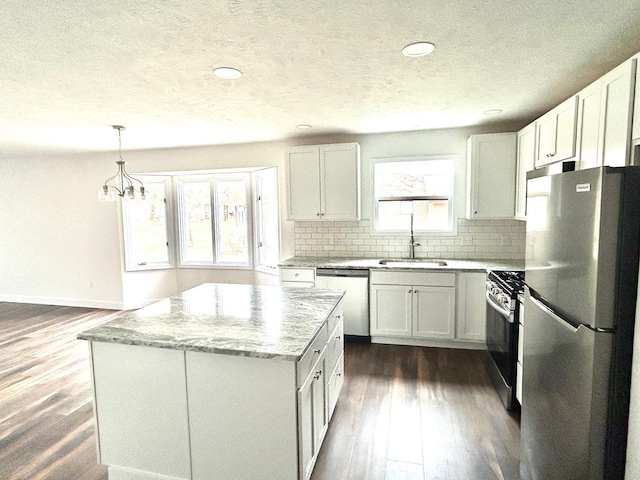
<point>475,239</point>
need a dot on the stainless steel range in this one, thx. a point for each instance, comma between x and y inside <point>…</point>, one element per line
<point>502,292</point>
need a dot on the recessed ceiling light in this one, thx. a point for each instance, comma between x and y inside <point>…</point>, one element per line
<point>493,111</point>
<point>227,73</point>
<point>418,49</point>
<point>303,126</point>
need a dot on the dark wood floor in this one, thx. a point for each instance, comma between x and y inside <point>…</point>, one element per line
<point>404,412</point>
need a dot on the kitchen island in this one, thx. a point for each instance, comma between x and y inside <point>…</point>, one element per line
<point>220,381</point>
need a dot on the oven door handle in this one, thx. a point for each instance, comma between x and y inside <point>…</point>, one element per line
<point>499,308</point>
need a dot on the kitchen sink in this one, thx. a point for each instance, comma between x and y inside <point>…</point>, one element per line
<point>399,262</point>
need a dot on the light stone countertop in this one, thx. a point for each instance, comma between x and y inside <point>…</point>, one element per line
<point>370,263</point>
<point>245,320</point>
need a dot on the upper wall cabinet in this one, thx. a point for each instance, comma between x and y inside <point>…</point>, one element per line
<point>589,125</point>
<point>605,118</point>
<point>526,157</point>
<point>616,110</point>
<point>491,175</point>
<point>324,182</point>
<point>557,133</point>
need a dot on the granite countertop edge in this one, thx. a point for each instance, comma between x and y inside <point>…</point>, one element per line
<point>374,263</point>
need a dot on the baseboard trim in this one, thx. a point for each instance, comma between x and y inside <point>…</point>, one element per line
<point>63,302</point>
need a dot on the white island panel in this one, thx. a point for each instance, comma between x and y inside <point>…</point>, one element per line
<point>141,409</point>
<point>243,419</point>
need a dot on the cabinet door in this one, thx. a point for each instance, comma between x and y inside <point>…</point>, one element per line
<point>305,429</point>
<point>320,410</point>
<point>472,307</point>
<point>557,133</point>
<point>491,175</point>
<point>303,181</point>
<point>616,114</point>
<point>546,126</point>
<point>433,312</point>
<point>340,181</point>
<point>589,125</point>
<point>391,310</point>
<point>526,155</point>
<point>567,114</point>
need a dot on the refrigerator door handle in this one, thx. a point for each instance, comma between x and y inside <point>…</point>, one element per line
<point>499,308</point>
<point>553,314</point>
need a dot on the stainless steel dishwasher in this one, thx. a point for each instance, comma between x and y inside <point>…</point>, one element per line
<point>356,300</point>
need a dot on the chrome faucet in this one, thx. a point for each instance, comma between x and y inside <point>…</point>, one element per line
<point>413,244</point>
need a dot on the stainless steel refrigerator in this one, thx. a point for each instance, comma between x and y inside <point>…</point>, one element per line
<point>583,230</point>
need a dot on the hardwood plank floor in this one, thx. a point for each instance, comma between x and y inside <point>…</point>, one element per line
<point>404,412</point>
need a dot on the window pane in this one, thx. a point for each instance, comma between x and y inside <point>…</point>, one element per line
<point>147,227</point>
<point>428,215</point>
<point>197,234</point>
<point>231,210</point>
<point>413,178</point>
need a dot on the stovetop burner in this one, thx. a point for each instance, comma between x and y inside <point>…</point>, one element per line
<point>511,281</point>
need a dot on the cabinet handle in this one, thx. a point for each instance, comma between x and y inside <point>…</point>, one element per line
<point>317,374</point>
<point>317,351</point>
<point>297,275</point>
<point>339,337</point>
<point>410,291</point>
<point>318,214</point>
<point>549,155</point>
<point>338,374</point>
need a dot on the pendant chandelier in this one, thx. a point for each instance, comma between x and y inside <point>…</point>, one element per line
<point>123,182</point>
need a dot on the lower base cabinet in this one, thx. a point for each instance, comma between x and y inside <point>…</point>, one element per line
<point>428,308</point>
<point>414,304</point>
<point>170,414</point>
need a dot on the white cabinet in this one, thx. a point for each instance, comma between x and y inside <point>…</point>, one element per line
<point>297,277</point>
<point>313,416</point>
<point>557,133</point>
<point>605,118</point>
<point>391,309</point>
<point>525,163</point>
<point>412,304</point>
<point>616,109</point>
<point>324,182</point>
<point>589,125</point>
<point>491,175</point>
<point>472,306</point>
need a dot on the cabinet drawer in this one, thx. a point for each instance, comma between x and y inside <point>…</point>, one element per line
<point>439,279</point>
<point>297,274</point>
<point>336,316</point>
<point>335,346</point>
<point>312,354</point>
<point>335,385</point>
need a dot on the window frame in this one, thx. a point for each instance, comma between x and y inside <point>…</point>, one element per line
<point>451,200</point>
<point>261,261</point>
<point>130,264</point>
<point>213,179</point>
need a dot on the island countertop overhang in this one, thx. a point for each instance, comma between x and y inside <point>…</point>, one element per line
<point>232,319</point>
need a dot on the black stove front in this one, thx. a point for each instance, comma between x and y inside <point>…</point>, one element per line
<point>502,331</point>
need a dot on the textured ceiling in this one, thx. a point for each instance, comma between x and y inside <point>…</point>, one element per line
<point>71,68</point>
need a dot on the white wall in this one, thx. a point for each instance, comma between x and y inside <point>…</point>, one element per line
<point>59,245</point>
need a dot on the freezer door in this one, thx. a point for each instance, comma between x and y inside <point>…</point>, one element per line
<point>572,242</point>
<point>564,400</point>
